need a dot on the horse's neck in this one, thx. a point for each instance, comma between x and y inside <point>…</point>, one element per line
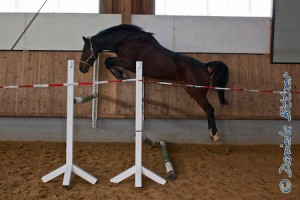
<point>109,42</point>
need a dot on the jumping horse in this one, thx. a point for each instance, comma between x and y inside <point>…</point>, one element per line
<point>131,43</point>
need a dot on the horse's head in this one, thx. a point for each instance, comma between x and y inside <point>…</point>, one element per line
<point>88,55</point>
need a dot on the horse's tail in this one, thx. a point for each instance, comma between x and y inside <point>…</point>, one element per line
<point>219,74</point>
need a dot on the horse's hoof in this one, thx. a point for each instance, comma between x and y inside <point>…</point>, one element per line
<point>117,74</point>
<point>211,135</point>
<point>214,138</point>
<point>125,75</point>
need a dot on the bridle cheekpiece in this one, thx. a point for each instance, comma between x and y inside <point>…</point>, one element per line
<point>92,56</point>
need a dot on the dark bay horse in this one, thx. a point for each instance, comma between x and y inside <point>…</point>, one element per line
<point>131,43</point>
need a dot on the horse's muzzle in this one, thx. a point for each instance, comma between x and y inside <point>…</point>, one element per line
<point>83,67</point>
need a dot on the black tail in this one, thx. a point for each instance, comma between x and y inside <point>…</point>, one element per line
<point>219,77</point>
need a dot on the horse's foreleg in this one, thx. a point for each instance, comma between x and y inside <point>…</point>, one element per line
<point>112,65</point>
<point>200,98</point>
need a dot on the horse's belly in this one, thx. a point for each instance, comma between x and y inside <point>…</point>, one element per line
<point>160,68</point>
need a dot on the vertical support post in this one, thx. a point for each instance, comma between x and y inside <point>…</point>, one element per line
<point>138,124</point>
<point>138,169</point>
<point>70,120</point>
<point>69,167</point>
<point>143,105</point>
<point>95,92</point>
<point>139,97</point>
<point>126,11</point>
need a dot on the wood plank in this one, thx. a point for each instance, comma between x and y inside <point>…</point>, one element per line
<point>142,7</point>
<point>117,6</point>
<point>295,75</point>
<point>126,11</point>
<point>106,6</point>
<point>107,93</point>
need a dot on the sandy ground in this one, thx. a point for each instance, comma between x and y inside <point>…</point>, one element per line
<point>203,171</point>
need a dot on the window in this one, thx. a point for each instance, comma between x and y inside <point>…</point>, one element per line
<point>238,8</point>
<point>51,6</point>
<point>286,32</point>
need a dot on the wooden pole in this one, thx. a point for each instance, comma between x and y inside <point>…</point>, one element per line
<point>126,11</point>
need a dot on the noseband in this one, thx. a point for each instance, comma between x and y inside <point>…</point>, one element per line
<point>92,56</point>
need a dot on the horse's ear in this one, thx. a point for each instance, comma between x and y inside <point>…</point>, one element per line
<point>84,39</point>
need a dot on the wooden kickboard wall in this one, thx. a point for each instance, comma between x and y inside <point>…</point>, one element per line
<point>117,100</point>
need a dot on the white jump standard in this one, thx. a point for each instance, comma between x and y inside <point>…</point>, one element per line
<point>69,167</point>
<point>138,169</point>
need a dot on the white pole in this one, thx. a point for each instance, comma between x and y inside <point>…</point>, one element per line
<point>95,92</point>
<point>138,124</point>
<point>143,105</point>
<point>138,169</point>
<point>70,119</point>
<point>139,98</point>
<point>69,167</point>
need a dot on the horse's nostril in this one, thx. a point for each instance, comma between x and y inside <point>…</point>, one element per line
<point>84,70</point>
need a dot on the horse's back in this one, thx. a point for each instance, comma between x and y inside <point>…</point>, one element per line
<point>161,63</point>
<point>158,62</point>
<point>192,71</point>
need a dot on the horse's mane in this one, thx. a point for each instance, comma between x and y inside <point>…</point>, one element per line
<point>123,27</point>
<point>131,28</point>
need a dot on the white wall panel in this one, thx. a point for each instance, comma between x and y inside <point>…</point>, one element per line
<point>177,33</point>
<point>286,32</point>
<point>162,27</point>
<point>222,35</point>
<point>12,26</point>
<point>52,31</point>
<point>209,34</point>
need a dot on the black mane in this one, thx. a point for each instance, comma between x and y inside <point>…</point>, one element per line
<point>123,27</point>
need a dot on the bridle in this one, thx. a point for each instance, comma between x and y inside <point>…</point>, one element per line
<point>92,56</point>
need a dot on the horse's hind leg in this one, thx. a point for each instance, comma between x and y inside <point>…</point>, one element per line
<point>112,65</point>
<point>200,98</point>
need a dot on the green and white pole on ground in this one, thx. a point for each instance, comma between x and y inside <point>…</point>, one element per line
<point>167,161</point>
